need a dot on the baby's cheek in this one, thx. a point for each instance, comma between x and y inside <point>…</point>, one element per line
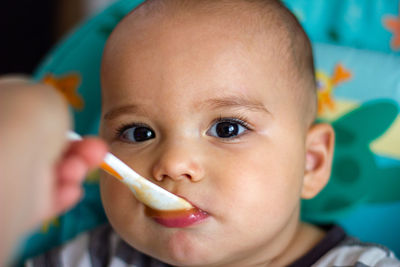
<point>263,186</point>
<point>118,201</point>
<point>108,194</point>
<point>123,211</point>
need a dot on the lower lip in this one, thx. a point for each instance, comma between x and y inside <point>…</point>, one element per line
<point>178,219</point>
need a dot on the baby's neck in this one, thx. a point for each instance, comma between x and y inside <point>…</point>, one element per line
<point>307,236</point>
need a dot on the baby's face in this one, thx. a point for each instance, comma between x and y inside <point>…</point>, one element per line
<point>201,110</point>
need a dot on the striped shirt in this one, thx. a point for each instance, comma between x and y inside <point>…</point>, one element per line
<point>103,247</point>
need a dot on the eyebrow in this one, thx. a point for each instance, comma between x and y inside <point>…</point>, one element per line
<point>213,103</point>
<point>234,102</point>
<point>115,112</point>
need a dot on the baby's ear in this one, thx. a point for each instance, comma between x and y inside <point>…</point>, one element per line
<point>319,154</point>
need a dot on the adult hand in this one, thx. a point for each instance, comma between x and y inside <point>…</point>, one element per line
<point>40,171</point>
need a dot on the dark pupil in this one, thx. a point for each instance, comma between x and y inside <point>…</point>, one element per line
<point>226,129</point>
<point>142,134</point>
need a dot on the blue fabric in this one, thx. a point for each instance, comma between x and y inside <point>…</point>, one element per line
<point>374,74</point>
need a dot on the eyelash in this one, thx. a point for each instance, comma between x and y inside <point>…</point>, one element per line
<point>120,130</point>
<point>237,119</point>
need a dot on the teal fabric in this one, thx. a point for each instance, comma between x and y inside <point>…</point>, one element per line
<point>355,23</point>
<point>365,185</point>
<point>352,196</point>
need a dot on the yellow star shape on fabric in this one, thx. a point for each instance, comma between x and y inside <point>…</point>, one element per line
<point>68,86</point>
<point>328,84</point>
<point>46,226</point>
<point>393,24</point>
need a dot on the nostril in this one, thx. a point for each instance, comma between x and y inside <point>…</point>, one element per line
<point>163,177</point>
<point>176,167</point>
<point>185,176</point>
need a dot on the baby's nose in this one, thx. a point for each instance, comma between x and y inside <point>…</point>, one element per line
<point>178,162</point>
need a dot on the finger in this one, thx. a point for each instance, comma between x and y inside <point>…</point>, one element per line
<point>71,173</point>
<point>91,150</point>
<point>72,169</point>
<point>14,79</point>
<point>67,197</point>
<point>77,160</point>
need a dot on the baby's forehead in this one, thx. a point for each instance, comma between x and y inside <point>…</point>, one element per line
<point>255,17</point>
<point>258,28</point>
<point>231,30</point>
<point>263,28</point>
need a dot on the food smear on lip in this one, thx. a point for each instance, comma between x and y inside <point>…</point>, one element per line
<point>148,193</point>
<point>177,218</point>
<point>172,218</point>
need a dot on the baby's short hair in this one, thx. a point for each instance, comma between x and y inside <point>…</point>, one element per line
<point>266,16</point>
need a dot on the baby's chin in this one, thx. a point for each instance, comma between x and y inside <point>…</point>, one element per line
<point>178,250</point>
<point>175,246</point>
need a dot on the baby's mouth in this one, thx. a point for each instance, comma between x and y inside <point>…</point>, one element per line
<point>178,218</point>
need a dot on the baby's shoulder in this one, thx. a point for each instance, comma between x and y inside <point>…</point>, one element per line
<point>353,252</point>
<point>338,249</point>
<point>98,247</point>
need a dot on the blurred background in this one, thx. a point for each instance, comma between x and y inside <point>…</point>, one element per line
<point>30,28</point>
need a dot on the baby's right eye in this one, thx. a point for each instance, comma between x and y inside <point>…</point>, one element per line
<point>135,133</point>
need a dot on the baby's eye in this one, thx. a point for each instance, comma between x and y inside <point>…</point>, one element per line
<point>227,128</point>
<point>136,133</point>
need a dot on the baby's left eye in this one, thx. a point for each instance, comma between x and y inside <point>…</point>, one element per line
<point>227,128</point>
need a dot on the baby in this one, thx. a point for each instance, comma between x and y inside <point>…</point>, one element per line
<point>215,101</point>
